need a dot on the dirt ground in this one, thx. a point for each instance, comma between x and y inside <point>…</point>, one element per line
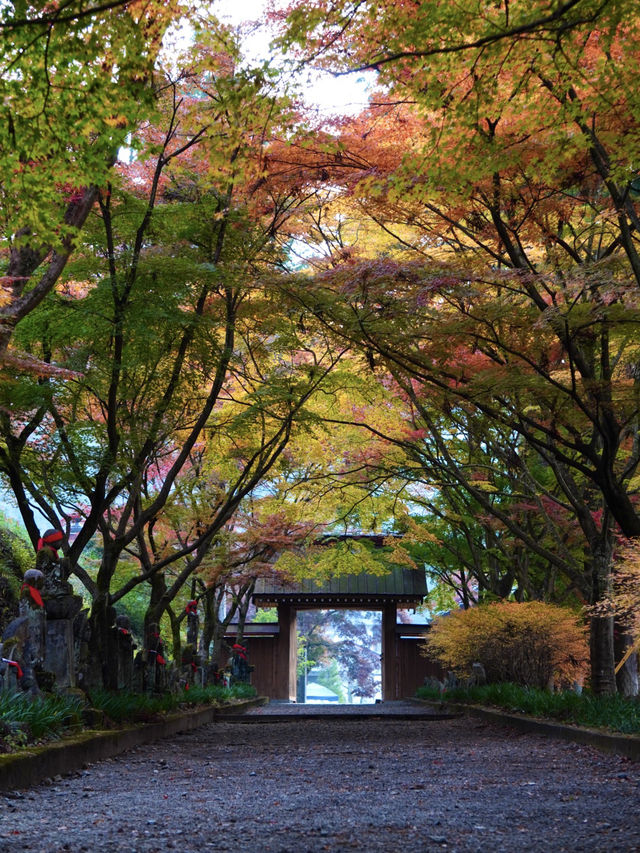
<point>367,783</point>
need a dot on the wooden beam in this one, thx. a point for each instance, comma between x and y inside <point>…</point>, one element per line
<point>389,654</point>
<point>286,655</point>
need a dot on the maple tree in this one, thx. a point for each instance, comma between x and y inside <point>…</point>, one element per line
<point>474,235</point>
<point>172,338</point>
<point>490,522</point>
<point>503,145</point>
<point>75,81</point>
<point>439,388</point>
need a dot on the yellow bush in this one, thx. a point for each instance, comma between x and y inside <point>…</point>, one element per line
<point>531,644</point>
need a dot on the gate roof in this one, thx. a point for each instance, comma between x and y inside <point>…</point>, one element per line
<point>402,586</point>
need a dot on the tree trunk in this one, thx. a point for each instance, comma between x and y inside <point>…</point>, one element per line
<point>103,642</point>
<point>176,638</point>
<point>603,679</point>
<point>207,626</point>
<point>243,608</point>
<point>627,675</point>
<point>156,606</point>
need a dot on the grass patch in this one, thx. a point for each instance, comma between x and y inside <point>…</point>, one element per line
<point>24,719</point>
<point>138,707</point>
<point>614,713</point>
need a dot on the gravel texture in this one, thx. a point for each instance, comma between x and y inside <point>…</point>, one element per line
<point>339,783</point>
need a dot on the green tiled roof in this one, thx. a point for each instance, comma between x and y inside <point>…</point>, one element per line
<point>401,585</point>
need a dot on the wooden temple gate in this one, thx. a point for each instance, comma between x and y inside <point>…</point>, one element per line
<point>272,647</point>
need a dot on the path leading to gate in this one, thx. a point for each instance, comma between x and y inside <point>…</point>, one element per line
<point>370,781</point>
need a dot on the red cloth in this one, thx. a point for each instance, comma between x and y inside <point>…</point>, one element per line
<point>34,593</point>
<point>50,539</point>
<point>15,663</point>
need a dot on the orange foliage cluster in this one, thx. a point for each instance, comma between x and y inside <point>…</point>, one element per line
<point>532,644</point>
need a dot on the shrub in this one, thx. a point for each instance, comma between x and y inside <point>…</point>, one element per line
<point>531,644</point>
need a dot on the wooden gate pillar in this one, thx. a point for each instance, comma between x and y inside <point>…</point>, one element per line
<point>286,655</point>
<point>389,654</point>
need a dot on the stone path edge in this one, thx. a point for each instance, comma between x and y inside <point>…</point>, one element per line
<point>19,770</point>
<point>328,718</point>
<point>617,743</point>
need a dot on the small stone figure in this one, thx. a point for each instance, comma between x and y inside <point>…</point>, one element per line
<point>478,674</point>
<point>23,650</point>
<point>155,669</point>
<point>192,623</point>
<point>123,624</point>
<point>31,589</point>
<point>125,646</point>
<point>10,671</point>
<point>24,637</point>
<point>155,651</point>
<point>190,664</point>
<point>240,669</point>
<point>54,569</point>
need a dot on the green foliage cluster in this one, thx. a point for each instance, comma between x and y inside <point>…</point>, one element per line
<point>72,86</point>
<point>330,678</point>
<point>24,719</point>
<point>609,712</point>
<point>16,556</point>
<point>16,553</point>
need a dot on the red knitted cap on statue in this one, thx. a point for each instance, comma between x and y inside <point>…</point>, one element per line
<point>50,538</point>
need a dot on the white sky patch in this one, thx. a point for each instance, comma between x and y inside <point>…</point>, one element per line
<point>345,95</point>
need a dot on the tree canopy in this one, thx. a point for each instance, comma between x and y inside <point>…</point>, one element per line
<point>419,320</point>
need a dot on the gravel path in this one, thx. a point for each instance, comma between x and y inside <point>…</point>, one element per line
<point>337,784</point>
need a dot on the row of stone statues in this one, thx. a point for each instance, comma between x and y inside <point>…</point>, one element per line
<point>47,645</point>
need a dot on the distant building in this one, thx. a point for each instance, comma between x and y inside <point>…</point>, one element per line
<point>318,694</point>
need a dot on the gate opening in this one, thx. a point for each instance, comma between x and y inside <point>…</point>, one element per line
<point>338,657</point>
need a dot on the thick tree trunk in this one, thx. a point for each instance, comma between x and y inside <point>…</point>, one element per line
<point>176,638</point>
<point>243,608</point>
<point>603,678</point>
<point>219,648</point>
<point>103,643</point>
<point>103,648</point>
<point>156,606</point>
